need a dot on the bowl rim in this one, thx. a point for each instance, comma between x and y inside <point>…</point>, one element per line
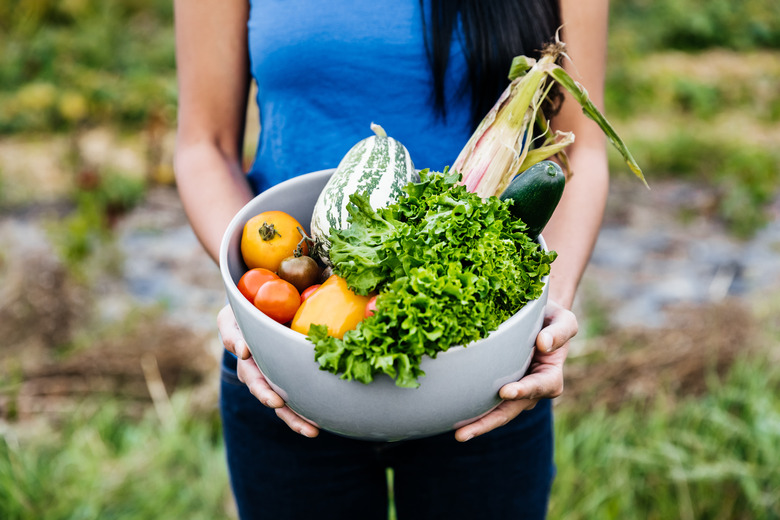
<point>243,215</point>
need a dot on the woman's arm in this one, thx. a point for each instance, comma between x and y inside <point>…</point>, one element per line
<point>574,227</point>
<point>212,67</point>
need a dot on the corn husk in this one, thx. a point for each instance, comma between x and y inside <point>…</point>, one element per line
<point>515,134</point>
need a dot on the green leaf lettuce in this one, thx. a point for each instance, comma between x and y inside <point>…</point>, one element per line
<point>449,268</point>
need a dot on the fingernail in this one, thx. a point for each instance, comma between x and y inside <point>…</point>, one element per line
<point>546,340</point>
<point>270,402</point>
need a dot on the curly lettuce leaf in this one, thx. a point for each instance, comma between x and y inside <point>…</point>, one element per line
<point>449,267</point>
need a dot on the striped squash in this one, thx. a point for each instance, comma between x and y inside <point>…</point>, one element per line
<point>378,165</point>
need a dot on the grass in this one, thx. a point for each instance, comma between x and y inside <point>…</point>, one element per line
<point>99,464</point>
<point>709,457</point>
<point>701,442</point>
<point>701,85</point>
<point>709,117</point>
<point>691,87</point>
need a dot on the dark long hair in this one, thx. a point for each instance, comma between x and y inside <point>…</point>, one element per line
<point>493,32</point>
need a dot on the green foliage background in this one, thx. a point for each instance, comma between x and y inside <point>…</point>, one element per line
<point>85,62</point>
<point>692,86</point>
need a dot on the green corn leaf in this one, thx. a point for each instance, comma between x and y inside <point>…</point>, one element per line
<point>520,65</point>
<point>590,110</point>
<point>546,151</point>
<point>551,137</point>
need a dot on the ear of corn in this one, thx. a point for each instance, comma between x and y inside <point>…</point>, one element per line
<point>515,135</point>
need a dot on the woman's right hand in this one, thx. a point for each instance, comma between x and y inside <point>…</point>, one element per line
<point>253,378</point>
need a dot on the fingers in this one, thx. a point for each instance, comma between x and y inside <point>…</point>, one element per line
<point>518,397</point>
<point>231,335</point>
<point>544,382</point>
<point>560,326</point>
<point>501,415</point>
<point>253,378</point>
<point>297,423</point>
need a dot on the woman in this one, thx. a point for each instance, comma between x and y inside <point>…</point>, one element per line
<point>427,71</point>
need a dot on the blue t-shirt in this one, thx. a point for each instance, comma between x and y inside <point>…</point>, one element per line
<point>326,70</point>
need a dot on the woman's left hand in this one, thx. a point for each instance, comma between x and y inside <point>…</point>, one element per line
<point>544,379</point>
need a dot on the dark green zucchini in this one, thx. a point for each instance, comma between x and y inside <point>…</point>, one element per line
<point>535,194</point>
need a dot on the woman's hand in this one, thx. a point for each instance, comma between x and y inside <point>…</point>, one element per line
<point>253,378</point>
<point>544,379</point>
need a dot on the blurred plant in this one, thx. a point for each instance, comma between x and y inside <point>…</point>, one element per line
<point>707,116</point>
<point>595,311</point>
<point>668,452</point>
<point>744,175</point>
<point>696,24</point>
<point>3,192</point>
<point>702,85</point>
<point>100,464</point>
<point>99,201</point>
<point>85,61</point>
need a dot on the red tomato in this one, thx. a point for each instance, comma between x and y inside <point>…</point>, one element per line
<point>370,307</point>
<point>309,291</point>
<point>278,299</point>
<point>251,281</point>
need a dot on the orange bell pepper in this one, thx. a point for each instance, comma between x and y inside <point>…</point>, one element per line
<point>333,305</point>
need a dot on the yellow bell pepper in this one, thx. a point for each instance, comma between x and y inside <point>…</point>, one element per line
<point>333,305</point>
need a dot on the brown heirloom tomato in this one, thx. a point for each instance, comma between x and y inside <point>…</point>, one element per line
<point>301,271</point>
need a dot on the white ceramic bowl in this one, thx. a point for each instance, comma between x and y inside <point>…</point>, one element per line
<point>460,385</point>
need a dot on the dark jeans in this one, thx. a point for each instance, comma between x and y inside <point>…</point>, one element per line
<point>278,474</point>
